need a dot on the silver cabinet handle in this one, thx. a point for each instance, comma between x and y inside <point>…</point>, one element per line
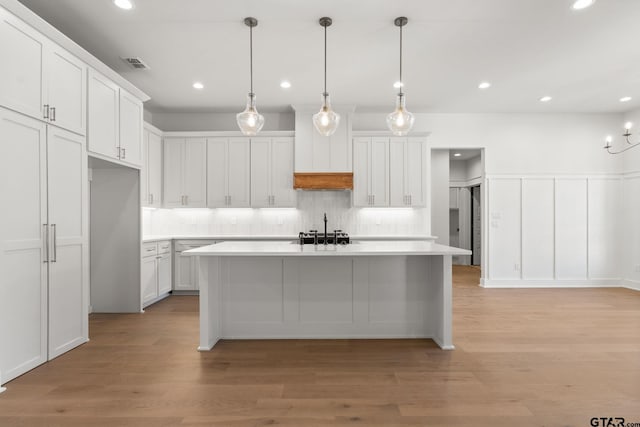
<point>55,243</point>
<point>124,153</point>
<point>53,118</point>
<point>45,111</point>
<point>45,229</point>
<point>150,249</point>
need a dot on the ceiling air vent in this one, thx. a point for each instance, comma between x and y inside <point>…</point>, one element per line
<point>136,63</point>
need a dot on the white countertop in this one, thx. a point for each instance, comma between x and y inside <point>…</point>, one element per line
<point>155,238</point>
<point>361,248</point>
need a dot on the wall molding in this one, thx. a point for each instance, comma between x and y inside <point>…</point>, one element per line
<point>551,283</point>
<point>630,284</point>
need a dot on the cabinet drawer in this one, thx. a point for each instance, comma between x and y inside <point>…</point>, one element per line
<point>149,249</point>
<point>164,247</point>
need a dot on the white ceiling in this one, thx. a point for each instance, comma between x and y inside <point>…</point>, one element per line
<point>587,60</point>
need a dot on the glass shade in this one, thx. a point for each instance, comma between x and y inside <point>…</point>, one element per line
<point>400,121</point>
<point>250,121</point>
<point>326,120</point>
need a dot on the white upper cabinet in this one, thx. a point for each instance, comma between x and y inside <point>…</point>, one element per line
<point>371,171</point>
<point>185,172</point>
<point>115,122</point>
<point>104,120</point>
<point>40,79</point>
<point>131,113</point>
<point>228,172</point>
<point>407,157</point>
<point>151,172</point>
<point>317,153</point>
<point>272,172</point>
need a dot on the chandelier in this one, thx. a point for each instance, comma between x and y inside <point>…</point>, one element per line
<point>627,137</point>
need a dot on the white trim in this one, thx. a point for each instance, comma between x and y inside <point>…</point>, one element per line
<point>551,283</point>
<point>386,133</point>
<point>151,128</point>
<point>630,284</point>
<point>562,175</point>
<point>214,134</point>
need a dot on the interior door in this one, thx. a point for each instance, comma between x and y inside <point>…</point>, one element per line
<point>67,80</point>
<point>68,228</point>
<point>23,284</point>
<point>476,224</point>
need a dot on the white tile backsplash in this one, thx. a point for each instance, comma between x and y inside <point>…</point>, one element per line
<point>311,206</point>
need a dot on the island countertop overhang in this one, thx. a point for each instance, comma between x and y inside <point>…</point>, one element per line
<point>358,248</point>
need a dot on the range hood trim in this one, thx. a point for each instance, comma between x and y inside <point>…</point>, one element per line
<point>323,180</point>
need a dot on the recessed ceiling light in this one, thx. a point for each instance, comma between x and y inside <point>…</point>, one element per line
<point>285,84</point>
<point>457,154</point>
<point>582,4</point>
<point>546,99</point>
<point>123,4</point>
<point>198,85</point>
<point>625,99</point>
<point>484,85</point>
<point>398,85</point>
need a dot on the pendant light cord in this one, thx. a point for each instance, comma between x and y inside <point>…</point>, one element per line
<point>325,61</point>
<point>251,56</point>
<point>401,59</point>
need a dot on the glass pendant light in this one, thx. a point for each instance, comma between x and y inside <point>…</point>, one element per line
<point>400,121</point>
<point>326,120</point>
<point>250,121</point>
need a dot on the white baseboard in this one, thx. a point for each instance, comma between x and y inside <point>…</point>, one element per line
<point>529,283</point>
<point>630,284</point>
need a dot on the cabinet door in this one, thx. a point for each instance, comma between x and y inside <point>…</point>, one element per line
<point>361,173</point>
<point>154,170</point>
<point>103,116</point>
<point>184,274</point>
<point>149,279</point>
<point>238,172</point>
<point>130,129</point>
<point>282,192</point>
<point>145,198</point>
<point>260,172</point>
<point>195,172</point>
<point>22,50</point>
<point>172,195</point>
<point>380,171</point>
<point>217,173</point>
<point>68,218</point>
<point>23,284</point>
<point>414,171</point>
<point>66,76</point>
<point>164,273</point>
<point>397,192</point>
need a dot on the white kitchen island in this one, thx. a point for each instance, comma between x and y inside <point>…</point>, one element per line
<point>367,289</point>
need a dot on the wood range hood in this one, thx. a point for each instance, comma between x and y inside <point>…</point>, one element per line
<point>323,181</point>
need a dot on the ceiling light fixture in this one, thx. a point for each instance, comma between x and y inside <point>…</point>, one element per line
<point>326,120</point>
<point>626,135</point>
<point>400,121</point>
<point>198,85</point>
<point>625,99</point>
<point>123,4</point>
<point>457,154</point>
<point>250,121</point>
<point>546,99</point>
<point>285,84</point>
<point>484,85</point>
<point>582,4</point>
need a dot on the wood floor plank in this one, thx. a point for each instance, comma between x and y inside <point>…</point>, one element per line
<point>524,357</point>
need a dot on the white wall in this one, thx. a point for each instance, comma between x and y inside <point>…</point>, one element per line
<point>311,205</point>
<point>440,195</point>
<point>217,121</point>
<point>630,208</point>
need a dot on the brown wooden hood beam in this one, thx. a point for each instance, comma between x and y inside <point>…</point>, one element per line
<point>323,181</point>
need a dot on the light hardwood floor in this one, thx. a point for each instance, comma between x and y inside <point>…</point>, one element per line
<point>538,357</point>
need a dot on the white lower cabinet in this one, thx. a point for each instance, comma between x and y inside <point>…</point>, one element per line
<point>155,271</point>
<point>43,244</point>
<point>185,271</point>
